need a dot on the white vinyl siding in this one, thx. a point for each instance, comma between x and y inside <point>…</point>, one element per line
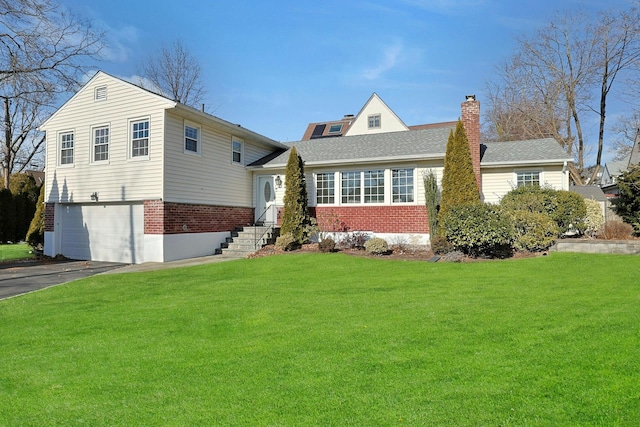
<point>496,182</point>
<point>210,178</point>
<point>132,180</point>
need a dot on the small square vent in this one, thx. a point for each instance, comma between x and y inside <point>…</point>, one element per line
<point>101,93</point>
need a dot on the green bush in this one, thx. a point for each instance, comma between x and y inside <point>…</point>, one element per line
<point>594,220</point>
<point>566,208</point>
<point>327,245</point>
<point>295,216</point>
<point>440,245</point>
<point>627,204</point>
<point>376,246</point>
<point>7,216</point>
<point>479,230</point>
<point>287,242</point>
<point>535,231</point>
<point>35,235</point>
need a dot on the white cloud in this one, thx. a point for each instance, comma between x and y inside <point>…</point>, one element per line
<point>389,61</point>
<point>119,43</point>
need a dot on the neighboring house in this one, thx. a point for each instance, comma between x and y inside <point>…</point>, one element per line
<point>370,180</point>
<point>612,170</point>
<point>593,192</point>
<point>132,176</point>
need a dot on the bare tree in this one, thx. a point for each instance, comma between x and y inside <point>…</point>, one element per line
<point>626,129</point>
<point>43,49</point>
<point>175,73</point>
<point>568,69</point>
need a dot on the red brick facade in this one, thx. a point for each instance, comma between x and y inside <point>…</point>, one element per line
<point>471,121</point>
<point>379,219</point>
<point>49,216</point>
<point>176,218</point>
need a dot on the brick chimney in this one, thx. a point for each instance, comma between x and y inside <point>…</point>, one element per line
<point>471,122</point>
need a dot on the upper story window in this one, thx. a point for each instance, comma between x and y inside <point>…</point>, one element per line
<point>374,121</point>
<point>101,144</point>
<point>140,138</point>
<point>191,139</point>
<point>528,178</point>
<point>374,186</point>
<point>325,188</point>
<point>335,128</point>
<point>66,148</point>
<point>237,150</point>
<point>351,187</point>
<point>402,188</point>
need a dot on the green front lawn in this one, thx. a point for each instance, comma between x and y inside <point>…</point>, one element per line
<point>15,251</point>
<point>331,340</point>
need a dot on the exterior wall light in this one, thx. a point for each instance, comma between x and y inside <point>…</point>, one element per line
<point>278,181</point>
<point>94,196</point>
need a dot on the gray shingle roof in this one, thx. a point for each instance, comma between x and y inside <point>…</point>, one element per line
<point>530,151</point>
<point>410,145</point>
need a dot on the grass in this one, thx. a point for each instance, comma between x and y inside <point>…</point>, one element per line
<point>16,251</point>
<point>331,340</point>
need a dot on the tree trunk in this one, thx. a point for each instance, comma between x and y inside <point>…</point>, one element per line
<point>6,164</point>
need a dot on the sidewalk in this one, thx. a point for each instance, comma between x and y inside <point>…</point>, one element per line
<point>152,266</point>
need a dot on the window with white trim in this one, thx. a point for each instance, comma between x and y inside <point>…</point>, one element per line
<point>191,138</point>
<point>236,150</point>
<point>66,148</point>
<point>140,138</point>
<point>527,178</point>
<point>337,128</point>
<point>374,121</point>
<point>374,186</point>
<point>351,187</point>
<point>325,188</point>
<point>101,144</point>
<point>402,189</point>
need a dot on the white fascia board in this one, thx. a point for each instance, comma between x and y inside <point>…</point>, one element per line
<point>370,160</point>
<point>525,163</point>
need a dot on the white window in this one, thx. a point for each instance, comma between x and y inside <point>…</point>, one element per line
<point>325,188</point>
<point>66,148</point>
<point>374,186</point>
<point>101,144</point>
<point>140,138</point>
<point>335,128</point>
<point>374,121</point>
<point>402,185</point>
<point>351,187</point>
<point>191,138</point>
<point>236,148</point>
<point>527,178</point>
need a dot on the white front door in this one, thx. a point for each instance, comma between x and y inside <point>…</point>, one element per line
<point>266,209</point>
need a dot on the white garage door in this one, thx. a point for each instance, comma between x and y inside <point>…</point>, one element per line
<point>98,232</point>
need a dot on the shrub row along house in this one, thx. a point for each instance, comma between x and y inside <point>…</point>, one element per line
<point>132,176</point>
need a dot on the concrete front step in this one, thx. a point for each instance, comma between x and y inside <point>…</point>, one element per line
<point>243,241</point>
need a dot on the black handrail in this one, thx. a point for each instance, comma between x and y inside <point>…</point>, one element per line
<point>261,220</point>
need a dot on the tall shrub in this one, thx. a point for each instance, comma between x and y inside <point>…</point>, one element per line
<point>459,186</point>
<point>295,218</point>
<point>432,199</point>
<point>7,216</point>
<point>479,229</point>
<point>25,195</point>
<point>627,204</point>
<point>35,235</point>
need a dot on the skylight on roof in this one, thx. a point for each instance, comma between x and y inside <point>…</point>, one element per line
<point>337,128</point>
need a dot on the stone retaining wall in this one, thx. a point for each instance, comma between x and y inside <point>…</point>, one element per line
<point>629,247</point>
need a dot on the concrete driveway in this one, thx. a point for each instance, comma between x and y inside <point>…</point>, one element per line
<point>23,277</point>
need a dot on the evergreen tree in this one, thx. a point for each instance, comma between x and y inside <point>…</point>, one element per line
<point>432,199</point>
<point>295,218</point>
<point>35,235</point>
<point>459,186</point>
<point>627,204</point>
<point>7,216</point>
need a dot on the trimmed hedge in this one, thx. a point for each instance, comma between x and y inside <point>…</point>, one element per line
<point>479,230</point>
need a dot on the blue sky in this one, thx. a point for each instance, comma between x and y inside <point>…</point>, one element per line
<point>275,66</point>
